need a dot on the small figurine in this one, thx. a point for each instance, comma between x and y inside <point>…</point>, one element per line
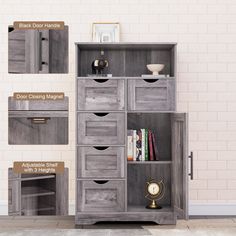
<point>98,66</point>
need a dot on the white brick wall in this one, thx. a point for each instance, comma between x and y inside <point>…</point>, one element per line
<point>205,31</point>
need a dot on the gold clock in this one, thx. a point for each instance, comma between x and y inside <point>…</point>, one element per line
<point>154,191</point>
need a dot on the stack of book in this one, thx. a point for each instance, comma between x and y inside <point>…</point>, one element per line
<point>142,145</point>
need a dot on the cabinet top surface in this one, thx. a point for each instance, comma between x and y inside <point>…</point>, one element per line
<point>125,45</point>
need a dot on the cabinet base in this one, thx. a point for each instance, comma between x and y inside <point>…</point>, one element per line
<point>162,218</point>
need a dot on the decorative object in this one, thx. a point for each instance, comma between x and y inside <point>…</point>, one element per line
<point>98,66</point>
<point>106,32</point>
<point>155,191</point>
<point>155,68</point>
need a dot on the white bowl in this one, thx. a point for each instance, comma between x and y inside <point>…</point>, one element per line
<point>155,68</point>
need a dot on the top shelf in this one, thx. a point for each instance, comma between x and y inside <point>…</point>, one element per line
<point>126,59</point>
<point>135,45</point>
<point>124,77</point>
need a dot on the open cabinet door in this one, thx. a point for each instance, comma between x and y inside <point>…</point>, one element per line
<point>14,194</point>
<point>179,148</point>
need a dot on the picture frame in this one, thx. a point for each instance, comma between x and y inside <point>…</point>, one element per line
<point>106,32</point>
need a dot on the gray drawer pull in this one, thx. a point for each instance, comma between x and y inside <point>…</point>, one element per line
<point>101,181</point>
<point>37,120</point>
<point>100,147</point>
<point>151,80</point>
<point>101,80</point>
<point>100,114</point>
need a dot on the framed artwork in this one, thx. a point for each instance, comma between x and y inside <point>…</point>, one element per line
<point>106,32</point>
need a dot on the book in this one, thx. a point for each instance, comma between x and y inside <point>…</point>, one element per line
<point>146,145</point>
<point>130,145</point>
<point>134,145</point>
<point>156,154</point>
<point>151,154</point>
<point>143,144</point>
<point>139,145</point>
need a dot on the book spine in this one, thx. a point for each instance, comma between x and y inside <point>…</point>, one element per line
<point>156,154</point>
<point>143,144</point>
<point>139,145</point>
<point>146,145</point>
<point>134,145</point>
<point>150,145</point>
<point>130,145</point>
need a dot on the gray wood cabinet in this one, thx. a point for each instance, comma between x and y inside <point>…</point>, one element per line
<point>109,188</point>
<point>34,194</point>
<point>38,51</point>
<point>37,122</point>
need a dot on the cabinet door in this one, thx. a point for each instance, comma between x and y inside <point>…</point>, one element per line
<point>14,193</point>
<point>16,51</point>
<point>58,51</point>
<point>179,164</point>
<point>62,193</point>
<point>37,130</point>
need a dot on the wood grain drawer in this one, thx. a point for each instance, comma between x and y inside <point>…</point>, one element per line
<point>105,162</point>
<point>101,128</point>
<point>101,195</point>
<point>99,95</point>
<point>152,95</point>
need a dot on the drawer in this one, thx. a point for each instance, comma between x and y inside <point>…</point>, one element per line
<point>101,195</point>
<point>151,95</point>
<point>101,128</point>
<point>105,162</point>
<point>100,94</point>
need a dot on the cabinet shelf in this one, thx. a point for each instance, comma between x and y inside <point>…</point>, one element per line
<point>35,192</point>
<point>142,208</point>
<point>38,178</point>
<point>41,209</point>
<point>149,162</point>
<point>123,77</point>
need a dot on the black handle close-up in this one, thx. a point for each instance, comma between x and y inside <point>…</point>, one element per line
<point>191,165</point>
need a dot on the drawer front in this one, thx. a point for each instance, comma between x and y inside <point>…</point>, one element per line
<point>101,128</point>
<point>101,195</point>
<point>95,95</point>
<point>44,130</point>
<point>105,162</point>
<point>153,95</point>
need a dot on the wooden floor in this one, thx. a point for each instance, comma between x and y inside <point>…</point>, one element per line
<point>57,225</point>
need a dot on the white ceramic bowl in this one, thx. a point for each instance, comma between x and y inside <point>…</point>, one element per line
<point>155,68</point>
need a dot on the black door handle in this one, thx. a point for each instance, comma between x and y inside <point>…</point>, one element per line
<point>191,165</point>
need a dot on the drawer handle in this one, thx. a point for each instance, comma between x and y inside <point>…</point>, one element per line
<point>101,80</point>
<point>100,148</point>
<point>101,114</point>
<point>151,80</point>
<point>35,120</point>
<point>101,181</point>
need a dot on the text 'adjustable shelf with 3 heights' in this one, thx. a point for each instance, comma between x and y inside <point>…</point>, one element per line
<point>108,187</point>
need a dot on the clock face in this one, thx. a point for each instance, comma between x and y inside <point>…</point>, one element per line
<point>153,188</point>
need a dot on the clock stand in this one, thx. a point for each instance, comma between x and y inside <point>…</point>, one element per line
<point>108,187</point>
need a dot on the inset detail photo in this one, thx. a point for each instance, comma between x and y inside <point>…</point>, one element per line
<point>32,51</point>
<point>37,121</point>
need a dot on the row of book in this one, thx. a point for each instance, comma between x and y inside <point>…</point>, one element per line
<point>142,145</point>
